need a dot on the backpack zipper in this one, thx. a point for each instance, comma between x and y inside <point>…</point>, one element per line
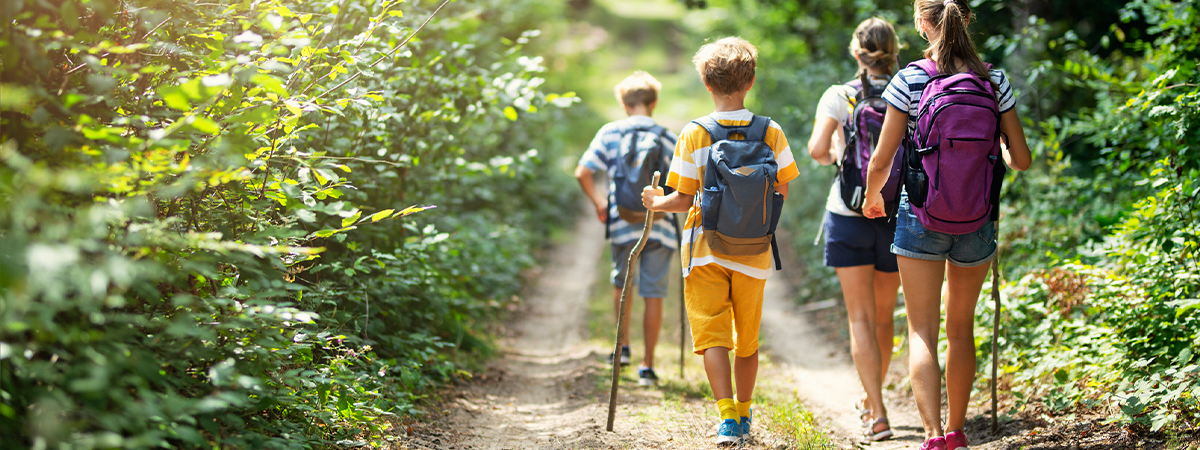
<point>933,117</point>
<point>766,194</point>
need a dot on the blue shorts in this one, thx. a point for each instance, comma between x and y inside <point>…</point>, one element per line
<point>858,241</point>
<point>653,265</point>
<point>963,250</point>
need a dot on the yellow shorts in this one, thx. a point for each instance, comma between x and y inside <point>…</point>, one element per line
<point>724,308</point>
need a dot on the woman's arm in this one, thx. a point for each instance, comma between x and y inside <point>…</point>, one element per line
<point>820,144</point>
<point>895,124</point>
<point>1016,151</point>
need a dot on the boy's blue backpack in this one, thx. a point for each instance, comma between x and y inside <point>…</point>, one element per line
<point>739,205</point>
<point>640,153</point>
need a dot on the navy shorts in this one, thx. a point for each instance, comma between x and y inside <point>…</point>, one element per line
<point>913,240</point>
<point>858,241</point>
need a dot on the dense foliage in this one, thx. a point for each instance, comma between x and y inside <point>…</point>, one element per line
<point>215,217</point>
<point>1100,238</point>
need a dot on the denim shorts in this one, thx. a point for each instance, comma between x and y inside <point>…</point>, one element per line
<point>653,265</point>
<point>963,250</point>
<point>858,241</point>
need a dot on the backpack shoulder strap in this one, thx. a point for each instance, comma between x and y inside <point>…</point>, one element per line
<point>716,132</point>
<point>927,65</point>
<point>757,130</point>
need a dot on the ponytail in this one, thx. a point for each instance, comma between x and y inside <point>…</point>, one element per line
<point>950,18</point>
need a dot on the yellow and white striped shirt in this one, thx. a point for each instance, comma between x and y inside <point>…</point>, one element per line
<point>687,175</point>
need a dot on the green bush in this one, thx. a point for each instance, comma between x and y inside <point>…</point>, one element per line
<point>1112,323</point>
<point>205,238</point>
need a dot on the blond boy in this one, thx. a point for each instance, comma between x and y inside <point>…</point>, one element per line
<point>638,94</point>
<point>723,293</point>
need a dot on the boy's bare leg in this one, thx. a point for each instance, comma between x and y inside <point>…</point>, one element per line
<point>745,371</point>
<point>716,366</point>
<point>651,324</point>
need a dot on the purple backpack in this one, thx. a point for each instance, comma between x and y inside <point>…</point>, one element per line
<point>953,168</point>
<point>862,133</point>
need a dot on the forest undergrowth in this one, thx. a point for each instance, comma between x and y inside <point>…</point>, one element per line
<point>260,224</point>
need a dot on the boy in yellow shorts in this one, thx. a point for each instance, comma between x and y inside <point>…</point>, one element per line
<point>723,291</point>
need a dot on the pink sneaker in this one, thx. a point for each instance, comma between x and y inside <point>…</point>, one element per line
<point>956,440</point>
<point>937,443</point>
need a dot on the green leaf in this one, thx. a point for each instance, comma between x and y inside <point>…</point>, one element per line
<point>350,220</point>
<point>325,233</point>
<point>270,83</point>
<point>205,125</point>
<point>174,98</point>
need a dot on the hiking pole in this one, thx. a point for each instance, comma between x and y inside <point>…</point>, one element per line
<point>626,292</point>
<point>683,323</point>
<point>995,334</point>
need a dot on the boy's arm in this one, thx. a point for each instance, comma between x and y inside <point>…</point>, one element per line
<point>654,200</point>
<point>584,175</point>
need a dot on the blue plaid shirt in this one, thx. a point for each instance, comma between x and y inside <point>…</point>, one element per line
<point>601,155</point>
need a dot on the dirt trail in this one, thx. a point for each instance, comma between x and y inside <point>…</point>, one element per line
<point>538,393</point>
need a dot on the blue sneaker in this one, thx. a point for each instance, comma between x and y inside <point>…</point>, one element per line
<point>746,424</point>
<point>729,432</point>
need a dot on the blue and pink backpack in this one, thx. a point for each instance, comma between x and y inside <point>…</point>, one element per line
<point>953,170</point>
<point>862,134</point>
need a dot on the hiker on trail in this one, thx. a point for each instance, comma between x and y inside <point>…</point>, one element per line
<point>953,113</point>
<point>729,246</point>
<point>630,150</point>
<point>858,248</point>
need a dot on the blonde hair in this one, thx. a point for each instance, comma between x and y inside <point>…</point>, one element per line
<point>950,18</point>
<point>727,65</point>
<point>638,89</point>
<point>875,44</point>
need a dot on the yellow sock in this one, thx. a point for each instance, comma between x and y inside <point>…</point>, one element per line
<point>728,408</point>
<point>744,408</point>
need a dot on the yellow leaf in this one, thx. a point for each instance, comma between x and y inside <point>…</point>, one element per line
<point>510,113</point>
<point>413,210</point>
<point>350,220</point>
<point>382,215</point>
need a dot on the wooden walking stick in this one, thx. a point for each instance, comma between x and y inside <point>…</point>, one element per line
<point>683,323</point>
<point>626,292</point>
<point>995,334</point>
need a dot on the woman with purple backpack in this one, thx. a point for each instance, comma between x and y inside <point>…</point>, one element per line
<point>955,118</point>
<point>855,246</point>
